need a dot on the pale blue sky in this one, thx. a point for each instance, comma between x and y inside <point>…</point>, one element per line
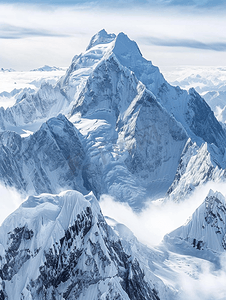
<point>200,3</point>
<point>32,35</point>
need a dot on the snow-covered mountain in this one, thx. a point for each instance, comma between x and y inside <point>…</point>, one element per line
<point>217,102</point>
<point>187,108</point>
<point>60,247</point>
<point>206,230</point>
<point>7,70</point>
<point>110,125</point>
<point>138,123</point>
<point>107,56</point>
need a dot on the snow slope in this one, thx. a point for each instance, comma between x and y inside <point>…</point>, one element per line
<point>206,230</point>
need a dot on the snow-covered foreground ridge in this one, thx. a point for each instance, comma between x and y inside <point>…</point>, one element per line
<point>60,247</point>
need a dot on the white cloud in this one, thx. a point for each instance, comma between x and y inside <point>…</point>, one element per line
<point>10,200</point>
<point>208,285</point>
<point>159,218</point>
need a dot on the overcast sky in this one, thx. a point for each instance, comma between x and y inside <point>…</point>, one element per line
<point>32,35</point>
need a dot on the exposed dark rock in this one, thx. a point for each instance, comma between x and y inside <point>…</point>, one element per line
<point>15,257</point>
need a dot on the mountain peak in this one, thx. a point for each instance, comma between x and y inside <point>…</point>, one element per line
<point>125,46</point>
<point>102,37</point>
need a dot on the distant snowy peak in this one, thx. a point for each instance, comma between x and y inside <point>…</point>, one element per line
<point>10,94</point>
<point>47,69</point>
<point>217,102</point>
<point>206,229</point>
<point>47,102</point>
<point>60,247</point>
<point>7,70</point>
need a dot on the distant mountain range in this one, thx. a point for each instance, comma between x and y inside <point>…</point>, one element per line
<point>6,70</point>
<point>47,69</point>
